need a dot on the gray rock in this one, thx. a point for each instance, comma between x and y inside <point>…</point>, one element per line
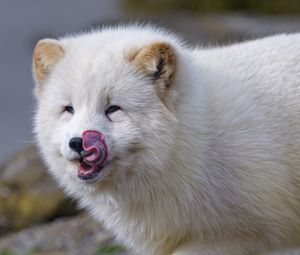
<point>28,195</point>
<point>69,236</point>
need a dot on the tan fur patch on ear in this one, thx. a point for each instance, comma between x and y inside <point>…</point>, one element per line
<point>158,61</point>
<point>46,54</point>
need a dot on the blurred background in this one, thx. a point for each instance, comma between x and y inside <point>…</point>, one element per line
<point>35,216</point>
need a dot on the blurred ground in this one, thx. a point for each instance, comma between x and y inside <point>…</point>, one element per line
<point>25,187</point>
<point>28,195</point>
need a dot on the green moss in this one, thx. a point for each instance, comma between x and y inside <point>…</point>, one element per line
<point>254,6</point>
<point>108,250</point>
<point>6,252</point>
<point>34,251</point>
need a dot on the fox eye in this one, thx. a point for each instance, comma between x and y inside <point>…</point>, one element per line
<point>111,109</point>
<point>69,109</point>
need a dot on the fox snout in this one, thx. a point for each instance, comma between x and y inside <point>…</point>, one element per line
<point>91,147</point>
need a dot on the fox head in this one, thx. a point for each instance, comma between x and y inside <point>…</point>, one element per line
<point>112,93</point>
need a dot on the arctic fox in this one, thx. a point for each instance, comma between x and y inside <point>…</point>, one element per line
<point>177,150</point>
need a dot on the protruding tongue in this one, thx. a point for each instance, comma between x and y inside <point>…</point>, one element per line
<point>95,150</point>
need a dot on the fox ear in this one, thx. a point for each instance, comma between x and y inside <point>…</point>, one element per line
<point>47,53</point>
<point>158,61</point>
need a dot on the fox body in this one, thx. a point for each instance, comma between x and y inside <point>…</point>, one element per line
<point>203,145</point>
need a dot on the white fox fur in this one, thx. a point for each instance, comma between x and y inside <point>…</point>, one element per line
<point>210,165</point>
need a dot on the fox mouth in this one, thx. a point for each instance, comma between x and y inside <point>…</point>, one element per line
<point>90,173</point>
<point>93,157</point>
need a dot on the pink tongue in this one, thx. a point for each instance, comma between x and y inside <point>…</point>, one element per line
<point>95,150</point>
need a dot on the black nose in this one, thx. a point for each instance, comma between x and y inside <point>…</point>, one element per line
<point>76,144</point>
